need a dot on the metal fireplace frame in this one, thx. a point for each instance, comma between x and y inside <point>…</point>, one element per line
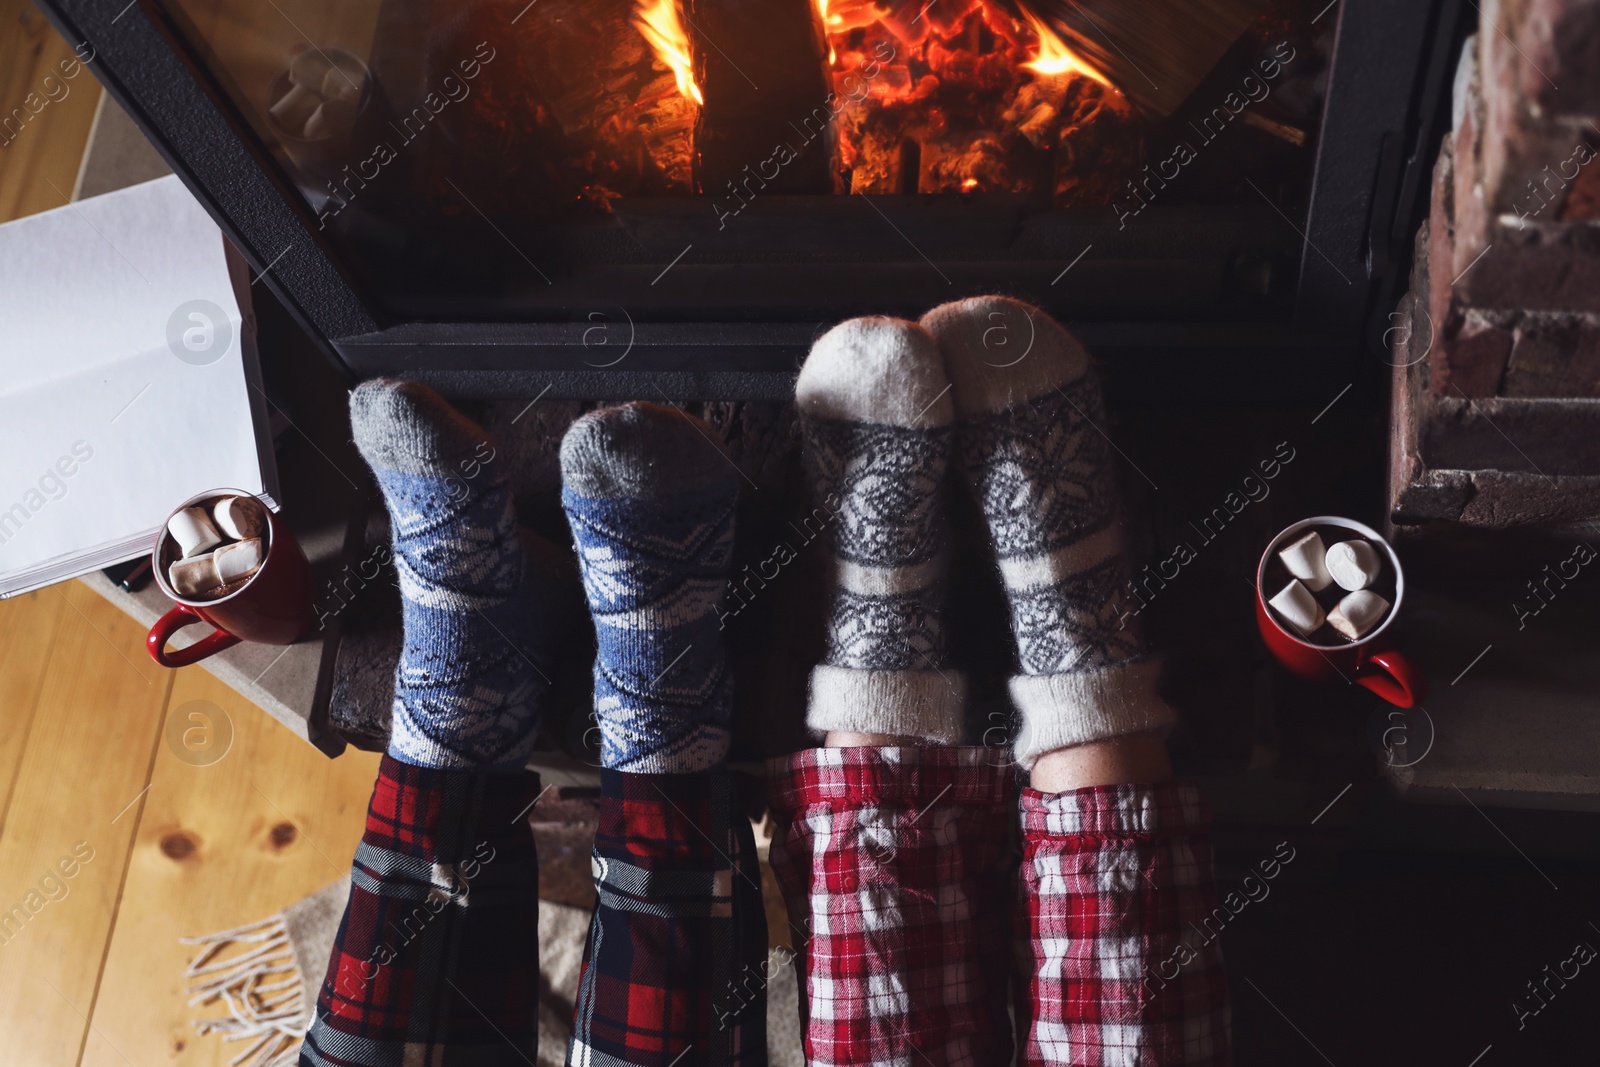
<point>1386,103</point>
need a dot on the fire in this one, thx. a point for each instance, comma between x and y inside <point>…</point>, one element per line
<point>822,13</point>
<point>1054,56</point>
<point>971,97</point>
<point>660,24</point>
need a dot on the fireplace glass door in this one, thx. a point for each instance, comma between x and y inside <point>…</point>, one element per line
<point>741,160</point>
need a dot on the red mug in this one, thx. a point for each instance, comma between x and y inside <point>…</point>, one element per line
<point>1373,661</point>
<point>273,607</point>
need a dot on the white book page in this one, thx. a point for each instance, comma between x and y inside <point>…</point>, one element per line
<point>122,384</point>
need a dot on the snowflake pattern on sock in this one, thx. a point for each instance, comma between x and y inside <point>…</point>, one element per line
<point>887,479</point>
<point>466,688</point>
<point>889,517</point>
<point>653,570</point>
<point>886,633</point>
<point>1041,470</point>
<point>1075,625</point>
<point>1042,475</point>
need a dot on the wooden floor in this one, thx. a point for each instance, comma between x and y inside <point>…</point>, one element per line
<point>104,772</point>
<point>49,120</point>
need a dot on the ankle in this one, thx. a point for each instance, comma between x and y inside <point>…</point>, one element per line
<point>847,739</point>
<point>1132,759</point>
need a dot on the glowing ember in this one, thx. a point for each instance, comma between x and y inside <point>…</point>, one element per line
<point>659,22</point>
<point>970,96</point>
<point>1054,56</point>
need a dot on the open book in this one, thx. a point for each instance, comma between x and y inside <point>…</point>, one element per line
<point>128,379</point>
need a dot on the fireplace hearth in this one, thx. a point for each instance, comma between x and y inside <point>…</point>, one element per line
<point>638,196</point>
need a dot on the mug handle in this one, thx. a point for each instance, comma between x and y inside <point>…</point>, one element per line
<point>174,620</point>
<point>1397,679</point>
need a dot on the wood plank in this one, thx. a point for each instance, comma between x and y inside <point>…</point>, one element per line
<point>73,813</point>
<point>218,846</point>
<point>49,114</point>
<point>27,635</point>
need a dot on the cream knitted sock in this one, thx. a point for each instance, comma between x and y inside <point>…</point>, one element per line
<point>875,411</point>
<point>1028,444</point>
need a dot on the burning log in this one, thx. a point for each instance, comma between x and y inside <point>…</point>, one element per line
<point>608,90</point>
<point>965,98</point>
<point>567,97</point>
<point>1099,145</point>
<point>764,73</point>
<point>1157,51</point>
<point>589,100</point>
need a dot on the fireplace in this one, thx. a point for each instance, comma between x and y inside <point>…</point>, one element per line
<point>609,197</point>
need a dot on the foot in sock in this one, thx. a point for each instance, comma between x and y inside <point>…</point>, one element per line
<point>650,496</point>
<point>1030,447</point>
<point>468,690</point>
<point>875,414</point>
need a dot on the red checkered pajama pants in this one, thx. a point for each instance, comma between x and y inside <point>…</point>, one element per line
<point>898,867</point>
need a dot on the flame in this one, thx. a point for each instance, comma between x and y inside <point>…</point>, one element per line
<point>1055,57</point>
<point>822,13</point>
<point>659,23</point>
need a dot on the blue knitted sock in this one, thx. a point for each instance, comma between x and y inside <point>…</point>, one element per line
<point>650,498</point>
<point>467,692</point>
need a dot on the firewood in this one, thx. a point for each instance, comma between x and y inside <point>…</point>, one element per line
<point>763,70</point>
<point>1156,51</point>
<point>610,94</point>
<point>566,99</point>
<point>1099,144</point>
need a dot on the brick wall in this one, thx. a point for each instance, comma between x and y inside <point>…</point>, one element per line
<point>1515,245</point>
<point>1498,424</point>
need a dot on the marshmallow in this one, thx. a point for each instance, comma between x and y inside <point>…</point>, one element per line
<point>294,108</point>
<point>330,119</point>
<point>1304,559</point>
<point>195,576</point>
<point>193,531</point>
<point>239,517</point>
<point>1354,564</point>
<point>238,560</point>
<point>309,69</point>
<point>342,82</point>
<point>1298,608</point>
<point>1357,613</point>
